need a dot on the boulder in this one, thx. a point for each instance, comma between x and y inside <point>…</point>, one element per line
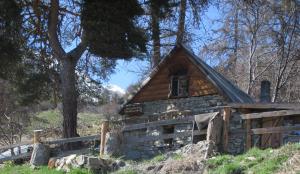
<point>51,163</point>
<point>70,159</point>
<point>81,160</point>
<point>40,155</point>
<point>97,165</point>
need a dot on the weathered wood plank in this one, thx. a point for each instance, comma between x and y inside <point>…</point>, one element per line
<point>158,123</point>
<point>214,129</point>
<point>20,156</point>
<point>270,114</point>
<point>136,139</point>
<point>279,129</point>
<point>3,148</point>
<point>248,135</point>
<point>226,117</point>
<point>75,139</point>
<point>292,106</point>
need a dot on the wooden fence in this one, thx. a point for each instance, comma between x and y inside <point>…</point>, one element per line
<point>207,119</point>
<point>271,116</point>
<point>27,155</point>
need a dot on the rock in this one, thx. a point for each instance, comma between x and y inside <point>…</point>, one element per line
<point>70,158</point>
<point>158,168</point>
<point>51,163</point>
<point>40,155</point>
<point>81,160</point>
<point>96,163</point>
<point>33,167</point>
<point>251,158</point>
<point>120,163</point>
<point>150,168</point>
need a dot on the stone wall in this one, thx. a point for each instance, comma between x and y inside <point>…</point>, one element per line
<point>236,142</point>
<point>197,105</point>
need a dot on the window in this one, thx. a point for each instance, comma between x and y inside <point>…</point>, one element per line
<point>179,86</point>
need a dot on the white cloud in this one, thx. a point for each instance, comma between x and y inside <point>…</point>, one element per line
<point>115,88</point>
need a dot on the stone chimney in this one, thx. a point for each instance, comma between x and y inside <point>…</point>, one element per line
<point>265,89</point>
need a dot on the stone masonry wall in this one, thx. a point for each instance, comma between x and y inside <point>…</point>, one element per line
<point>197,105</point>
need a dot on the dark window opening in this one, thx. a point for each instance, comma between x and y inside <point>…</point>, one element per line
<point>180,86</point>
<point>198,138</point>
<point>168,130</point>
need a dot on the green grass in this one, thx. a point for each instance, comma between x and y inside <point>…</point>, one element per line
<point>254,161</point>
<point>126,171</point>
<point>25,169</point>
<point>88,123</point>
<point>46,119</point>
<point>177,156</point>
<point>158,158</point>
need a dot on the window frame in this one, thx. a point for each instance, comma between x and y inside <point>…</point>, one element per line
<point>180,79</point>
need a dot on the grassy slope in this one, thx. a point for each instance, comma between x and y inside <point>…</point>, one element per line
<point>255,161</point>
<point>88,123</point>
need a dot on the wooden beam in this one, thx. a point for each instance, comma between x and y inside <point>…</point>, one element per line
<point>70,140</point>
<point>248,135</point>
<point>37,136</point>
<point>158,123</point>
<point>270,114</point>
<point>292,106</point>
<point>104,129</point>
<point>19,156</point>
<point>214,130</point>
<point>279,129</point>
<point>137,139</point>
<point>226,117</point>
<point>3,148</point>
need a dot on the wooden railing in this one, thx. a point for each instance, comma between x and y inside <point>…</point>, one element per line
<point>47,142</point>
<point>275,128</point>
<point>184,120</point>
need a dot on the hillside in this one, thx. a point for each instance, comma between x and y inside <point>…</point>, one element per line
<point>284,160</point>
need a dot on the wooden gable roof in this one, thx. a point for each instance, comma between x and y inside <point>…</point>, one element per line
<point>206,80</point>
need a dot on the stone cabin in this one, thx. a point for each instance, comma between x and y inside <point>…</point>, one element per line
<point>180,85</point>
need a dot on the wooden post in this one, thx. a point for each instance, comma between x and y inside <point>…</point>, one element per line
<point>248,134</point>
<point>37,136</point>
<point>226,117</point>
<point>104,129</point>
<point>214,130</point>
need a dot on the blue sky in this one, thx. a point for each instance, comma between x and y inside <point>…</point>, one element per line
<point>126,72</point>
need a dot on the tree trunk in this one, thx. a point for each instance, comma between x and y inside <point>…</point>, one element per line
<point>181,22</point>
<point>69,97</point>
<point>155,33</point>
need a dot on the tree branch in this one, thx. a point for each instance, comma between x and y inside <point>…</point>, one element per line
<point>52,32</point>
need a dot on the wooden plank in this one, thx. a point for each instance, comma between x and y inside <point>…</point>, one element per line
<point>279,129</point>
<point>271,140</point>
<point>214,130</point>
<point>270,114</point>
<point>292,106</point>
<point>20,156</point>
<point>3,148</point>
<point>104,130</point>
<point>132,127</point>
<point>75,139</point>
<point>226,117</point>
<point>248,135</point>
<point>136,139</point>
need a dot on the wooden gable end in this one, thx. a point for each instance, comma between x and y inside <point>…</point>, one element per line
<point>158,88</point>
